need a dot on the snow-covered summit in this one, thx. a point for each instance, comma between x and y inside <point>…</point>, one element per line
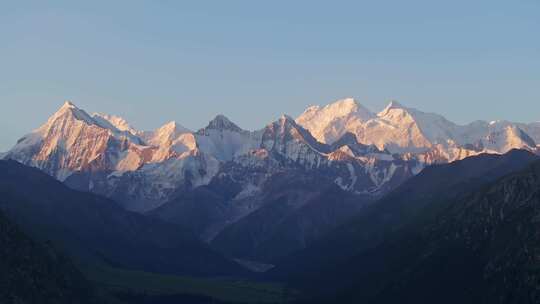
<point>221,122</point>
<point>224,140</point>
<point>69,111</point>
<point>392,105</point>
<point>340,108</point>
<point>327,123</point>
<point>167,132</point>
<point>402,129</point>
<point>71,140</point>
<point>285,138</point>
<point>115,121</point>
<point>344,140</point>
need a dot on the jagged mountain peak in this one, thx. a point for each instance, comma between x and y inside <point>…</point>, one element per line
<point>69,109</point>
<point>350,141</point>
<point>68,104</point>
<point>286,130</point>
<point>349,101</point>
<point>71,140</point>
<point>173,126</point>
<point>223,139</point>
<point>221,123</point>
<point>69,115</point>
<point>321,121</point>
<point>166,133</point>
<point>506,138</point>
<point>284,118</point>
<point>347,106</point>
<point>395,110</point>
<point>525,137</point>
<point>394,105</point>
<point>285,124</point>
<point>340,108</point>
<point>115,121</point>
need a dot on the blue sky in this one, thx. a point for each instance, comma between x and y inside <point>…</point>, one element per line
<point>155,61</point>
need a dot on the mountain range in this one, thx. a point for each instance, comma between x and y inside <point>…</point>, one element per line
<point>102,152</point>
<point>340,204</point>
<point>219,179</point>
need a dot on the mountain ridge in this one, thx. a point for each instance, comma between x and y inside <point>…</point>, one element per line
<point>101,153</point>
<point>145,170</point>
<point>414,203</point>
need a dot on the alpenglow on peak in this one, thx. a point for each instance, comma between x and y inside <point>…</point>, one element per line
<point>68,104</point>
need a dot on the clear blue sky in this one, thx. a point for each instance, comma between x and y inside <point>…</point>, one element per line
<point>154,61</point>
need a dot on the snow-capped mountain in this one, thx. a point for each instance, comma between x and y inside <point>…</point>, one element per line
<point>91,153</point>
<point>224,140</point>
<point>116,121</point>
<point>286,139</point>
<point>258,194</point>
<point>169,141</point>
<point>330,122</point>
<point>71,140</point>
<point>361,152</point>
<point>287,148</point>
<point>401,129</point>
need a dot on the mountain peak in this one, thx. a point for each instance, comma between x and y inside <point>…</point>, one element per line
<point>284,124</point>
<point>321,121</point>
<point>515,137</point>
<point>221,122</point>
<point>345,107</point>
<point>351,141</point>
<point>287,122</point>
<point>394,105</point>
<point>115,121</point>
<point>69,109</point>
<point>342,108</point>
<point>400,110</point>
<point>286,137</point>
<point>286,118</point>
<point>172,127</point>
<point>348,102</point>
<point>68,104</point>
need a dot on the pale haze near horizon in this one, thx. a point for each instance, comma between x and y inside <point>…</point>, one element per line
<point>152,62</point>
